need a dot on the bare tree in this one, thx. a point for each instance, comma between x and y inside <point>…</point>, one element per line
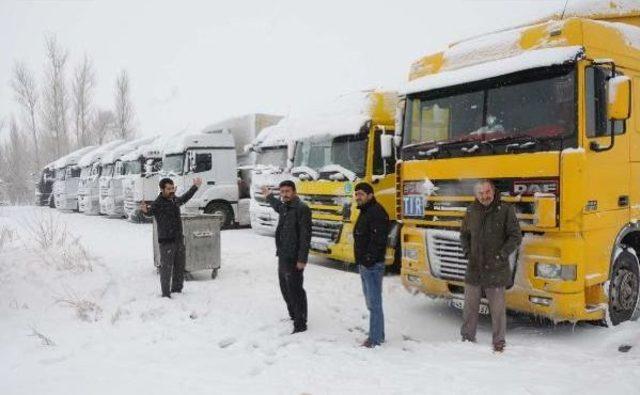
<point>55,95</point>
<point>17,173</point>
<point>25,90</point>
<point>83,84</point>
<point>102,125</point>
<point>123,109</point>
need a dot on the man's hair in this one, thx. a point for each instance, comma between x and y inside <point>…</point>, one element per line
<point>485,181</point>
<point>364,187</point>
<point>288,183</point>
<point>165,181</point>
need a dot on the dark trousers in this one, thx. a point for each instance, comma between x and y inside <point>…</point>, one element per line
<point>497,308</point>
<point>172,263</point>
<point>291,286</point>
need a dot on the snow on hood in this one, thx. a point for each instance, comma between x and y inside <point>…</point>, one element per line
<point>273,136</point>
<point>114,154</point>
<point>90,157</point>
<point>523,61</point>
<point>630,34</point>
<point>595,8</point>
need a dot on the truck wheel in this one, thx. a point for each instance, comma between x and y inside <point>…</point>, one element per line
<point>52,203</point>
<point>223,210</point>
<point>623,288</point>
<point>214,273</point>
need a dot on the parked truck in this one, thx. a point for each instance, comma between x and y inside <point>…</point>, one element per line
<point>140,183</point>
<point>273,148</point>
<point>337,148</point>
<point>65,187</point>
<point>90,171</point>
<point>545,112</point>
<point>112,187</point>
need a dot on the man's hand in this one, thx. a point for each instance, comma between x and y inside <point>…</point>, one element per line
<point>265,191</point>
<point>197,182</point>
<point>301,265</point>
<point>144,207</point>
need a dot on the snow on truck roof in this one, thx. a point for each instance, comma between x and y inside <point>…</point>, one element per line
<point>72,158</point>
<point>178,144</point>
<point>342,116</point>
<point>115,154</point>
<point>272,136</point>
<point>524,61</point>
<point>97,154</point>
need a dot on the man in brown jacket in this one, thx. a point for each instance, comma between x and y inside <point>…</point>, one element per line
<point>490,233</point>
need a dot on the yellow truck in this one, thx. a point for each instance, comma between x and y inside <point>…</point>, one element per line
<point>335,149</point>
<point>551,113</point>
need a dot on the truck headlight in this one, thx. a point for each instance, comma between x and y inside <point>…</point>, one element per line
<point>410,253</point>
<point>555,271</point>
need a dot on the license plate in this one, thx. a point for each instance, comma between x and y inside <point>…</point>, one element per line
<point>413,206</point>
<point>459,304</point>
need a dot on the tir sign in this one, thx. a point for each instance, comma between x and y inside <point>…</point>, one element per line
<point>531,187</point>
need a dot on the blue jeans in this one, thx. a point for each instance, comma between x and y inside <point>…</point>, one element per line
<point>372,288</point>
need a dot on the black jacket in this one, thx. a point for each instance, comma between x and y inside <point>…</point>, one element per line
<point>293,234</point>
<point>370,234</point>
<point>488,236</point>
<point>167,214</point>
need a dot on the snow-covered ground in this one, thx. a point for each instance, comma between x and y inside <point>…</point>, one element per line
<point>92,322</point>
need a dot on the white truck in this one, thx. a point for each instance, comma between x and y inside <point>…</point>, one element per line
<point>141,177</point>
<point>273,148</point>
<point>89,185</point>
<point>111,186</point>
<point>65,187</point>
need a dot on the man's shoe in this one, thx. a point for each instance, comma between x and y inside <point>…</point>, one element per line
<point>298,329</point>
<point>166,296</point>
<point>367,343</point>
<point>177,291</point>
<point>468,339</point>
<point>498,347</point>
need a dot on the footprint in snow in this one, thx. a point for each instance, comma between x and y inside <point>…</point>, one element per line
<point>226,342</point>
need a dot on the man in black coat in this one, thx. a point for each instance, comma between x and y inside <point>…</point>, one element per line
<point>166,210</point>
<point>489,234</point>
<point>293,238</point>
<point>370,246</point>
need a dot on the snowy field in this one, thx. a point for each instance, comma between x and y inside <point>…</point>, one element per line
<point>86,318</point>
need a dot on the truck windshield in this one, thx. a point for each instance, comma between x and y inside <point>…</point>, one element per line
<point>173,164</point>
<point>531,110</point>
<point>272,156</point>
<point>348,152</point>
<point>133,167</point>
<point>107,170</point>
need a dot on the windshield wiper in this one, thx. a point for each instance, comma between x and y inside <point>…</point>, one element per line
<point>334,168</point>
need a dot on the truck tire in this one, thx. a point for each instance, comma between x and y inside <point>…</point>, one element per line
<point>624,288</point>
<point>224,210</point>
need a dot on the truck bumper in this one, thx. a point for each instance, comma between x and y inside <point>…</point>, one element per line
<point>554,299</point>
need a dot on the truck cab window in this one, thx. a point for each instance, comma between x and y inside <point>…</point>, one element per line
<point>597,122</point>
<point>203,163</point>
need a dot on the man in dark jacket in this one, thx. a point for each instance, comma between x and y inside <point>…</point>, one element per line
<point>166,210</point>
<point>370,246</point>
<point>293,238</point>
<point>490,233</point>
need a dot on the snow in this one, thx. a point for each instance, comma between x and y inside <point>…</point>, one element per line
<point>345,115</point>
<point>599,8</point>
<point>273,136</point>
<point>109,331</point>
<point>90,157</point>
<point>72,158</point>
<point>524,61</point>
<point>630,33</point>
<point>115,153</point>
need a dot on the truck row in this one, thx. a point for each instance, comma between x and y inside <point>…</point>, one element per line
<point>549,112</point>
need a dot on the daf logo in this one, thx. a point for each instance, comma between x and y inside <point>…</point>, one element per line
<point>528,188</point>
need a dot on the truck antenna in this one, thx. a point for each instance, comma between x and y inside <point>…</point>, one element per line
<point>564,9</point>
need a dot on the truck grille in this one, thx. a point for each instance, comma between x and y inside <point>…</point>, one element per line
<point>324,234</point>
<point>446,258</point>
<point>325,204</point>
<point>104,192</point>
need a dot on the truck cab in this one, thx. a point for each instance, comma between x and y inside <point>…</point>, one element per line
<point>65,188</point>
<point>335,149</point>
<point>90,172</point>
<point>545,112</point>
<point>141,178</point>
<point>273,149</point>
<point>212,157</point>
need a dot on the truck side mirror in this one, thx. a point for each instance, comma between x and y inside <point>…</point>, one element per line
<point>619,103</point>
<point>291,151</point>
<point>192,161</point>
<point>386,146</point>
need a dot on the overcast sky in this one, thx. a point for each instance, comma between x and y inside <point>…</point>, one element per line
<point>195,62</point>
